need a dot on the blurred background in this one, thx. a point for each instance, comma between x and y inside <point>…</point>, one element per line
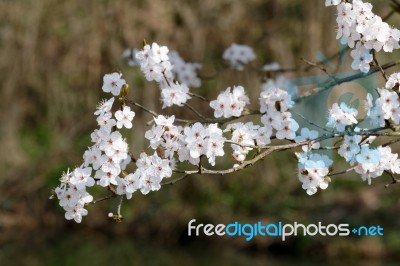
<point>53,55</point>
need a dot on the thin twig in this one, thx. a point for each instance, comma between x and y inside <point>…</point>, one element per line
<point>245,164</point>
<point>394,180</point>
<point>321,68</point>
<point>229,119</point>
<point>173,181</point>
<point>390,142</point>
<point>119,206</point>
<point>199,96</point>
<point>269,149</point>
<point>194,110</point>
<point>133,158</point>
<point>342,172</point>
<point>243,145</point>
<point>166,80</point>
<point>141,107</point>
<point>188,121</point>
<point>154,114</point>
<point>379,66</point>
<point>312,123</point>
<point>341,51</point>
<point>104,198</point>
<point>358,75</point>
<point>383,134</point>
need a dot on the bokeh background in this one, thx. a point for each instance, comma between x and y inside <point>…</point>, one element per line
<point>53,55</point>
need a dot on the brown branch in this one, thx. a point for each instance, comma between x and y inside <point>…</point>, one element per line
<point>119,206</point>
<point>269,149</point>
<point>394,180</point>
<point>141,107</point>
<point>194,111</point>
<point>379,66</point>
<point>188,121</point>
<point>153,113</point>
<point>245,164</point>
<point>314,124</point>
<point>198,96</point>
<point>173,181</point>
<point>329,58</point>
<point>358,75</point>
<point>104,198</point>
<point>390,142</point>
<point>323,69</point>
<point>229,119</point>
<point>342,172</point>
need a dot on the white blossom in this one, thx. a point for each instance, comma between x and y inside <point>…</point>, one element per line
<point>229,103</point>
<point>239,55</point>
<point>124,117</point>
<point>174,94</point>
<point>113,83</point>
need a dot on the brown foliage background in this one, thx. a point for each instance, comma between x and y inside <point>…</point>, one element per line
<point>53,55</point>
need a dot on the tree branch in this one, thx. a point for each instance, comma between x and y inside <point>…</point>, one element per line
<point>104,198</point>
<point>379,66</point>
<point>394,180</point>
<point>198,96</point>
<point>321,68</point>
<point>173,181</point>
<point>194,111</point>
<point>328,85</point>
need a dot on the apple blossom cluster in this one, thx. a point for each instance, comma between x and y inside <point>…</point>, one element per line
<point>363,31</point>
<point>200,140</point>
<point>373,162</point>
<point>387,106</point>
<point>151,170</point>
<point>274,107</point>
<point>154,63</point>
<point>359,27</point>
<point>187,143</point>
<point>313,170</point>
<point>350,148</point>
<point>308,135</point>
<point>370,162</point>
<point>108,162</point>
<point>229,103</point>
<point>247,135</point>
<point>239,55</point>
<point>108,156</point>
<point>184,72</point>
<point>340,116</point>
<point>73,198</point>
